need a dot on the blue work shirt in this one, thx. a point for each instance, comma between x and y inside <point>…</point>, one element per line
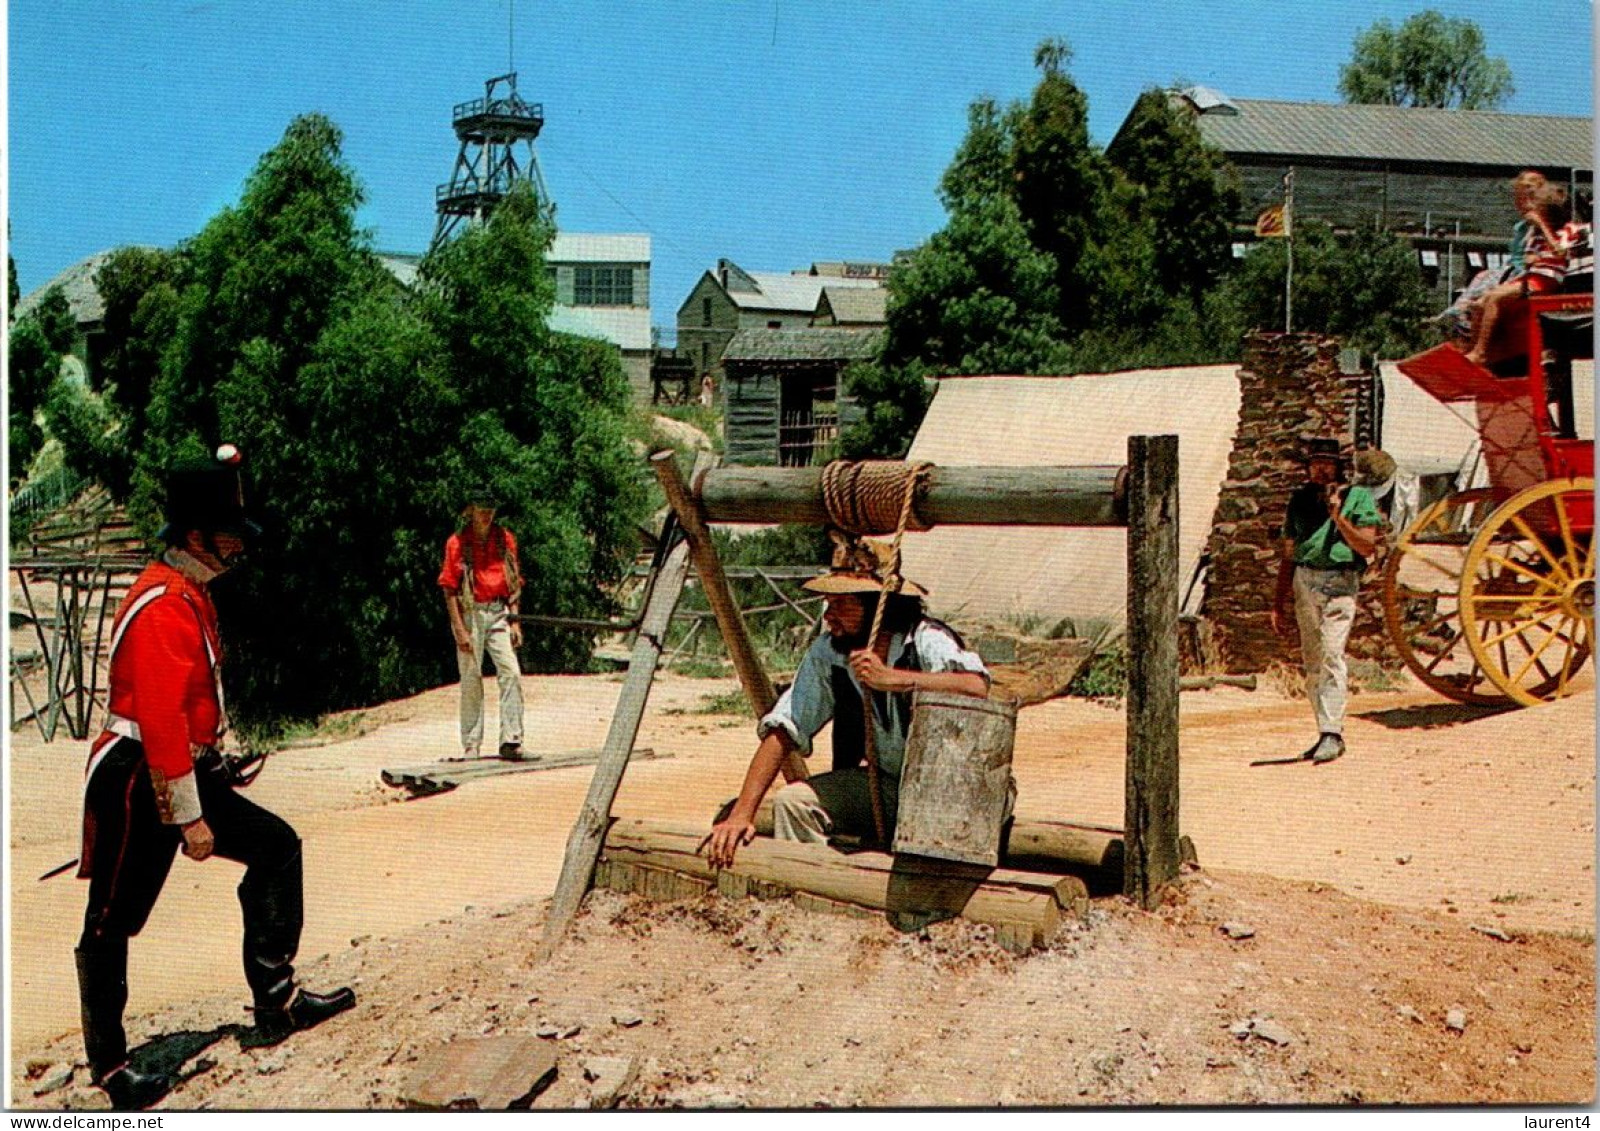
<point>808,704</point>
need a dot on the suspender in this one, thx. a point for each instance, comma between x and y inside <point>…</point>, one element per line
<point>496,539</point>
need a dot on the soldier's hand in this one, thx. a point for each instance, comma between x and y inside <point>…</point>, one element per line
<point>726,838</point>
<point>463,641</point>
<point>198,842</point>
<point>516,635</point>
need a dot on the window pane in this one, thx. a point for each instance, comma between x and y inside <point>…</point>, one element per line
<point>602,286</point>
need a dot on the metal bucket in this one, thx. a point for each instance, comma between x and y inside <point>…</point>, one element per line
<point>955,786</point>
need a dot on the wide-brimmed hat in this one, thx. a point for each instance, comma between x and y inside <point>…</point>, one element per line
<point>207,494</point>
<point>860,567</point>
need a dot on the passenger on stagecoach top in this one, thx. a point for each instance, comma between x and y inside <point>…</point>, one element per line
<point>1543,258</point>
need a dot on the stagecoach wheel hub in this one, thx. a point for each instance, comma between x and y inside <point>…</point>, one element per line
<point>1580,599</point>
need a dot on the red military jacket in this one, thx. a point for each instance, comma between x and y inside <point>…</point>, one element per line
<point>165,649</point>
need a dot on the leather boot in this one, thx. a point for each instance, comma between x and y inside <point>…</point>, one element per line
<point>306,1010</point>
<point>131,1090</point>
<point>273,914</point>
<point>102,996</point>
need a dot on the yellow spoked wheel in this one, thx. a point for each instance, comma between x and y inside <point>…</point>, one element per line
<point>1527,590</point>
<point>1422,598</point>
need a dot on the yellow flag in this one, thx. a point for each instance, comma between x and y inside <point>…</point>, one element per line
<point>1270,224</point>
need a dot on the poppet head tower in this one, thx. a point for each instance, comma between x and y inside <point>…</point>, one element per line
<point>496,134</point>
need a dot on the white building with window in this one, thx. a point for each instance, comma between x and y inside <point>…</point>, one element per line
<point>603,291</point>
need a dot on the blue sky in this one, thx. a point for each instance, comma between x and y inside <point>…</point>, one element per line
<point>772,132</point>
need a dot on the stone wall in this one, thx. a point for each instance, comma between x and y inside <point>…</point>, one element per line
<point>1290,388</point>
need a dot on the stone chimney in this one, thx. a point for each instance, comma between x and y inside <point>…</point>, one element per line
<point>1290,387</point>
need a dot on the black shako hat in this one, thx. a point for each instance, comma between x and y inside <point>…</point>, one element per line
<point>207,494</point>
<point>483,495</point>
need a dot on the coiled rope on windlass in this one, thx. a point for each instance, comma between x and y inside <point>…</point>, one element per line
<point>874,496</point>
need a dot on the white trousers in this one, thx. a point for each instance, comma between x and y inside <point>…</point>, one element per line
<point>1325,608</point>
<point>840,801</point>
<point>490,627</point>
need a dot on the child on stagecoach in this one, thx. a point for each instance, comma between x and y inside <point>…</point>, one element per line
<point>1544,259</point>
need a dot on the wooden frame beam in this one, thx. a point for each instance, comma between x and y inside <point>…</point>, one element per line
<point>954,496</point>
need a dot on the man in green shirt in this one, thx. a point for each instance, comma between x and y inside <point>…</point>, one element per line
<point>1329,532</point>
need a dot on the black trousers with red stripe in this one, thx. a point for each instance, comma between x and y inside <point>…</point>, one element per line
<point>128,853</point>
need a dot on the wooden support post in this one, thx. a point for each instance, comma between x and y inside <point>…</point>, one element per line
<point>757,685</point>
<point>1151,800</point>
<point>588,832</point>
<point>955,496</point>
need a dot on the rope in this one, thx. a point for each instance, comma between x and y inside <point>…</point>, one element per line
<point>873,496</point>
<point>911,478</point>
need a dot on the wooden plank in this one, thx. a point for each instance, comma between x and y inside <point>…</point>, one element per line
<point>1150,801</point>
<point>441,777</point>
<point>588,831</point>
<point>757,685</point>
<point>908,886</point>
<point>962,496</point>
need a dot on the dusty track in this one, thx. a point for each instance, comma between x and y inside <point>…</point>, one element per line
<point>1362,880</point>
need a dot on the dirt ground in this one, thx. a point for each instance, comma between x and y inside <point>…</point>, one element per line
<point>1442,872</point>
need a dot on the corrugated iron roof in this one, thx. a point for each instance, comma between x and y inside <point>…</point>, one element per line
<point>816,343</point>
<point>856,305</point>
<point>599,247</point>
<point>627,327</point>
<point>402,265</point>
<point>1401,134</point>
<point>77,283</point>
<point>796,293</point>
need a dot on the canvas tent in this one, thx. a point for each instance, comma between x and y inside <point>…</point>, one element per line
<point>1039,576</point>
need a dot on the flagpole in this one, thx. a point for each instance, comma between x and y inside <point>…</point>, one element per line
<point>1288,234</point>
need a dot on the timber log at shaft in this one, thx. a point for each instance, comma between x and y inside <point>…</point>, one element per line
<point>954,496</point>
<point>912,886</point>
<point>1094,852</point>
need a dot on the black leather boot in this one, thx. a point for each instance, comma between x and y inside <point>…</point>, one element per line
<point>273,914</point>
<point>102,996</point>
<point>303,1012</point>
<point>131,1090</point>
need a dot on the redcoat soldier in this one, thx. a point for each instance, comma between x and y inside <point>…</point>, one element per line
<point>156,782</point>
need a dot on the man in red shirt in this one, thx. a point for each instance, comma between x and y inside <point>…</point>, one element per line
<point>482,586</point>
<point>156,781</point>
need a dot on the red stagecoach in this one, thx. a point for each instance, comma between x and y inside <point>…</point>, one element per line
<point>1489,594</point>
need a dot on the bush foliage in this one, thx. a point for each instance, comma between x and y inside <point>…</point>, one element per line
<point>366,410</point>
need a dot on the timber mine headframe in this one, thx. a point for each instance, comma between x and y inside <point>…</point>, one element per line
<point>496,134</point>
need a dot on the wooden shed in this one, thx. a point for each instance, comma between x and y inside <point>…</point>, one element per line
<point>783,403</point>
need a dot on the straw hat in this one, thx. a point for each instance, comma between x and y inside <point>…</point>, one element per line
<point>860,567</point>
